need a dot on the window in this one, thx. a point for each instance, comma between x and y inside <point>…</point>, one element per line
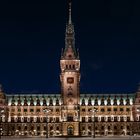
<point>109,119</point>
<point>57,110</point>
<point>13,110</point>
<point>115,109</point>
<point>115,127</point>
<point>108,127</point>
<point>89,110</point>
<point>38,128</point>
<point>31,119</point>
<point>102,119</point>
<point>83,119</point>
<point>25,128</point>
<point>19,128</point>
<point>121,109</point>
<point>44,127</point>
<point>115,119</point>
<point>25,119</point>
<point>12,119</point>
<point>89,119</point>
<point>57,128</point>
<point>128,128</point>
<point>19,119</point>
<point>96,119</point>
<point>89,127</point>
<point>109,109</point>
<point>31,110</point>
<point>19,110</point>
<point>57,119</point>
<point>32,127</point>
<point>102,127</point>
<point>25,110</point>
<point>83,128</point>
<point>73,66</point>
<point>51,128</point>
<point>127,109</point>
<point>83,110</point>
<point>38,119</point>
<point>51,119</point>
<point>128,119</point>
<point>121,119</point>
<point>102,110</point>
<point>83,102</point>
<point>38,110</point>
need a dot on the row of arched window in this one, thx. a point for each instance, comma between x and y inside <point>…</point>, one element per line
<point>108,101</point>
<point>31,102</point>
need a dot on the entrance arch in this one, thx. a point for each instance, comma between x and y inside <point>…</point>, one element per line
<point>70,130</point>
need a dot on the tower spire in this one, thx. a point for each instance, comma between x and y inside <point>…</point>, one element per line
<point>70,21</point>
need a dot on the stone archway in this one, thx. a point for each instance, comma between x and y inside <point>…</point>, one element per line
<point>70,130</point>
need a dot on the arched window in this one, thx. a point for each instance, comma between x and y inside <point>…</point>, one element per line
<point>102,101</point>
<point>25,101</point>
<point>13,101</point>
<point>115,101</point>
<point>109,101</point>
<point>83,102</point>
<point>89,102</point>
<point>38,101</point>
<point>31,101</point>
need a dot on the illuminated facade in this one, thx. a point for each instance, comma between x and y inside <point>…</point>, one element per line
<point>69,113</point>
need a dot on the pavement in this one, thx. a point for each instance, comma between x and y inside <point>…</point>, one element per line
<point>78,138</point>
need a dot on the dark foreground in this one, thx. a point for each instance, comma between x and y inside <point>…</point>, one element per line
<point>78,138</point>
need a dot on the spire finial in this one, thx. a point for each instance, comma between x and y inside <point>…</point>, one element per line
<point>70,21</point>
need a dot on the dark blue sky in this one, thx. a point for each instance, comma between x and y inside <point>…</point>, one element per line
<point>107,35</point>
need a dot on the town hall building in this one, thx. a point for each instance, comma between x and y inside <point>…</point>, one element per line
<point>69,113</point>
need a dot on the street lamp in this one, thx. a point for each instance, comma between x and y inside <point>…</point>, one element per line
<point>94,110</point>
<point>47,111</point>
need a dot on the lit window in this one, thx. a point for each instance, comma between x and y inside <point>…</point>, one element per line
<point>102,110</point>
<point>115,109</point>
<point>127,109</point>
<point>83,110</point>
<point>38,110</point>
<point>25,110</point>
<point>13,110</point>
<point>109,109</point>
<point>121,109</point>
<point>31,110</point>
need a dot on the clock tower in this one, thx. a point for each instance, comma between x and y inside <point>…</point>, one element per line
<point>70,67</point>
<point>70,81</point>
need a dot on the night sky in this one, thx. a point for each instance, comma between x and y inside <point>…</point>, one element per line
<point>107,35</point>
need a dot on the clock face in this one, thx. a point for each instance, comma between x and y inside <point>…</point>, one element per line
<point>70,80</point>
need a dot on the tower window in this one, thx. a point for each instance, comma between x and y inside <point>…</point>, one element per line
<point>73,66</point>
